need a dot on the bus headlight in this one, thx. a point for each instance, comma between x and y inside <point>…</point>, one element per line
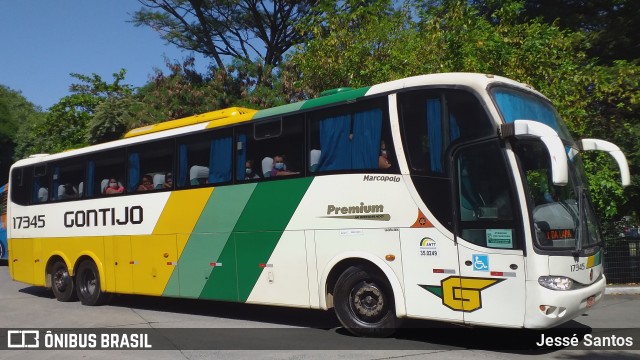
<point>556,282</point>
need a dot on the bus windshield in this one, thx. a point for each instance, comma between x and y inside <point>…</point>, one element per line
<point>517,105</point>
<point>563,216</point>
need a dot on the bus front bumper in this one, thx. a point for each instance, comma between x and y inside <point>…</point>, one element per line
<point>547,308</point>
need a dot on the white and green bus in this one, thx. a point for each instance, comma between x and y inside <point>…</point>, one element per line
<point>454,197</point>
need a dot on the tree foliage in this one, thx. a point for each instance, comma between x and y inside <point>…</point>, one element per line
<point>14,111</point>
<point>183,92</point>
<point>451,35</point>
<point>67,122</point>
<point>607,24</point>
<point>246,30</point>
<point>355,43</point>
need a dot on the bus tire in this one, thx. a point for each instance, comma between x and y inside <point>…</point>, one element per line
<point>62,283</point>
<point>364,304</point>
<point>88,284</point>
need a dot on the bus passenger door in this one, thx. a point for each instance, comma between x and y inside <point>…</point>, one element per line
<point>489,235</point>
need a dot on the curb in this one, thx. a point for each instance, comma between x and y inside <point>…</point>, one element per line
<point>622,290</point>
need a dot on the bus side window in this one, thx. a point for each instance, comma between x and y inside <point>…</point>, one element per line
<point>146,162</point>
<point>66,179</point>
<point>205,159</point>
<point>101,168</point>
<point>20,181</point>
<point>270,149</point>
<point>353,137</point>
<point>40,184</point>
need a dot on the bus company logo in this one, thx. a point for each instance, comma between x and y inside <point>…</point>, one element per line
<point>357,212</point>
<point>104,217</point>
<point>461,293</point>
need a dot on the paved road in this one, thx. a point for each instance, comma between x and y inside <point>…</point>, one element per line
<point>280,333</point>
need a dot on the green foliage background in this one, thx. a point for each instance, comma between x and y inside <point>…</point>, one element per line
<point>355,43</point>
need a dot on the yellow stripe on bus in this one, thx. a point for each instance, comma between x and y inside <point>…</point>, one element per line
<point>182,211</point>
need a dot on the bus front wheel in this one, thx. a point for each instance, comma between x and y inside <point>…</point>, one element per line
<point>62,283</point>
<point>364,303</point>
<point>88,284</point>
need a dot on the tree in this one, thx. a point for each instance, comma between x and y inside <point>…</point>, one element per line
<point>15,111</point>
<point>246,30</point>
<point>355,43</point>
<point>183,92</point>
<point>608,24</point>
<point>66,125</point>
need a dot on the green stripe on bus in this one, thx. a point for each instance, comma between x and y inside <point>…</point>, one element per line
<point>272,204</point>
<point>335,98</point>
<point>209,237</point>
<point>284,109</point>
<point>255,236</point>
<point>312,103</point>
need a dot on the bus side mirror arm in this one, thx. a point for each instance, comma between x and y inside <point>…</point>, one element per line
<point>613,150</point>
<point>550,138</point>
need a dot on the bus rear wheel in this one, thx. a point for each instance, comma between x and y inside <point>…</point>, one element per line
<point>88,284</point>
<point>62,283</point>
<point>364,303</point>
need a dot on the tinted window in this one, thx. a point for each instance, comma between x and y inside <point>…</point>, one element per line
<point>433,119</point>
<point>106,173</point>
<point>485,201</point>
<point>270,149</point>
<point>350,138</point>
<point>149,165</point>
<point>205,159</point>
<point>68,180</point>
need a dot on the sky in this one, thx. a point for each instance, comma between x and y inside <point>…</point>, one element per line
<point>43,41</point>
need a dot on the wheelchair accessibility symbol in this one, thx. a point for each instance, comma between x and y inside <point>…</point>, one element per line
<point>480,262</point>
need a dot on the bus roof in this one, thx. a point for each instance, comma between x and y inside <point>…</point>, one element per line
<point>219,117</point>
<point>234,115</point>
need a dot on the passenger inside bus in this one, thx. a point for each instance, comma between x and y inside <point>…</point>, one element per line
<point>383,159</point>
<point>168,181</point>
<point>279,167</point>
<point>113,187</point>
<point>67,191</point>
<point>146,183</point>
<point>249,171</point>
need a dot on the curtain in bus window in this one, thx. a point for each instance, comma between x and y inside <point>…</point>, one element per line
<point>365,145</point>
<point>90,175</point>
<point>454,129</point>
<point>134,172</point>
<point>56,183</point>
<point>334,143</point>
<point>518,107</point>
<point>241,158</point>
<point>220,160</point>
<point>434,128</point>
<point>183,165</point>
